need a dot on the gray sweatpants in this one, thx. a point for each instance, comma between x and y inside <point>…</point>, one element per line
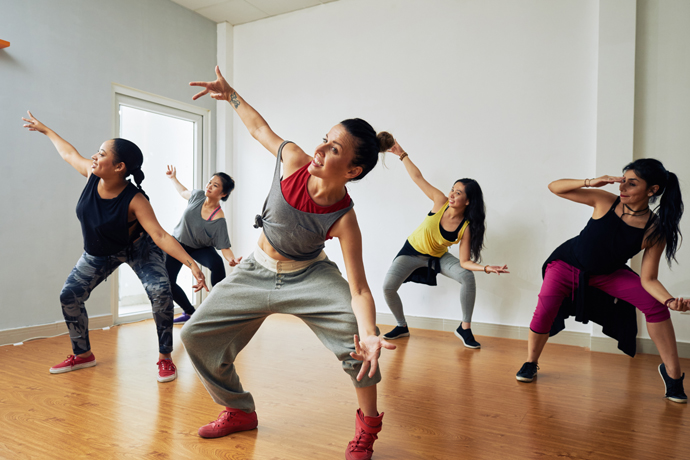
<point>233,312</point>
<point>403,266</point>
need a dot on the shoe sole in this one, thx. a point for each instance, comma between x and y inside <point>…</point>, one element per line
<point>406,334</point>
<point>235,429</point>
<point>463,341</point>
<point>62,370</point>
<point>169,378</point>
<point>671,398</point>
<point>525,379</point>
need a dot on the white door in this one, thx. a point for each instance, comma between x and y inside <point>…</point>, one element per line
<point>166,136</point>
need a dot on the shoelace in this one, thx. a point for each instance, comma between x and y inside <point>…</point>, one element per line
<point>166,365</point>
<point>363,439</point>
<point>71,359</point>
<point>224,417</point>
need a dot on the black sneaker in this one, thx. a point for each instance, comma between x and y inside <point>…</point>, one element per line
<point>527,372</point>
<point>674,387</point>
<point>399,331</point>
<point>467,337</point>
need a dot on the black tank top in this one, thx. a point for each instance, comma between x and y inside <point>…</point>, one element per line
<point>606,244</point>
<point>104,222</point>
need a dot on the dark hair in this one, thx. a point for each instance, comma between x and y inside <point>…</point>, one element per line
<point>128,153</point>
<point>476,214</point>
<point>228,184</point>
<point>367,144</point>
<point>670,208</point>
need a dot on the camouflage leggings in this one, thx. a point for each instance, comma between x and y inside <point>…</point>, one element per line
<point>90,271</point>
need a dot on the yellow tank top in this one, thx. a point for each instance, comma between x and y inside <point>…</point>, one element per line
<point>427,238</point>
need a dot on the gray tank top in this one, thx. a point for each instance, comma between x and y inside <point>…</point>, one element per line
<point>295,234</point>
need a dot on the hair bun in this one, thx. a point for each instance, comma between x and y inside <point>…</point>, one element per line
<point>385,140</point>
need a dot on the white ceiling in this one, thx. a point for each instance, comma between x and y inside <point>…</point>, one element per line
<point>241,11</point>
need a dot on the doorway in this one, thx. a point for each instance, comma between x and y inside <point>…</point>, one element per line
<point>167,134</point>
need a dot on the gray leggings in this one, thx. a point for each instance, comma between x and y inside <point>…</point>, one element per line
<point>403,266</point>
<point>230,316</point>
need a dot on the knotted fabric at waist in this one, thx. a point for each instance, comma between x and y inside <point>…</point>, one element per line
<point>282,266</point>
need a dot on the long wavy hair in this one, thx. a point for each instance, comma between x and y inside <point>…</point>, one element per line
<point>670,209</point>
<point>476,214</point>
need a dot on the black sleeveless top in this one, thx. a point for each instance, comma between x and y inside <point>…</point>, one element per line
<point>602,247</point>
<point>104,222</point>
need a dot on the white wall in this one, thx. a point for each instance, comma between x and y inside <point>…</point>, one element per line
<point>501,91</point>
<point>63,58</point>
<point>662,117</point>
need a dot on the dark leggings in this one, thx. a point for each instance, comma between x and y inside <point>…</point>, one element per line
<point>209,258</point>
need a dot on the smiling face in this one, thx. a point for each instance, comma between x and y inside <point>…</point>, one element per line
<point>333,157</point>
<point>214,188</point>
<point>105,164</point>
<point>457,198</point>
<point>634,190</point>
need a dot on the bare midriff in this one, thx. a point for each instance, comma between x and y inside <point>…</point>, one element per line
<point>268,249</point>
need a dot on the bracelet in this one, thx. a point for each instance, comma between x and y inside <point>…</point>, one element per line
<point>669,301</point>
<point>403,155</point>
<point>586,184</point>
<point>485,270</point>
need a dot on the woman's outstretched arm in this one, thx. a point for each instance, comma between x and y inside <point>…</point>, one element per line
<point>468,264</point>
<point>649,276</point>
<point>367,344</point>
<point>438,197</point>
<point>143,211</point>
<point>181,189</point>
<point>293,156</point>
<point>64,148</point>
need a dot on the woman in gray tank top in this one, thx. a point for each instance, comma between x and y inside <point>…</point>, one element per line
<point>289,273</point>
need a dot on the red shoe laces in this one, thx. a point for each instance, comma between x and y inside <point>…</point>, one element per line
<point>364,441</point>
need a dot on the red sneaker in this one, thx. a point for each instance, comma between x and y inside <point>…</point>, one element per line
<point>73,363</point>
<point>229,421</point>
<point>166,370</point>
<point>366,429</point>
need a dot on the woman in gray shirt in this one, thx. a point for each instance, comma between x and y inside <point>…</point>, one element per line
<point>202,230</point>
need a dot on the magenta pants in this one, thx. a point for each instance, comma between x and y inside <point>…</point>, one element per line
<point>561,279</point>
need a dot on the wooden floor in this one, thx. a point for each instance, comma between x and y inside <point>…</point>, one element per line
<point>442,401</point>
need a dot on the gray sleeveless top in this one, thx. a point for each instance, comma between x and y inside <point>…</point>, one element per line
<point>295,234</point>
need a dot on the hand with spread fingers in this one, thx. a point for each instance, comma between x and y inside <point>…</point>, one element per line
<point>34,125</point>
<point>368,351</point>
<point>200,279</point>
<point>218,89</point>
<point>496,269</point>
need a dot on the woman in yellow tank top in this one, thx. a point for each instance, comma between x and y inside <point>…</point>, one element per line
<point>456,218</point>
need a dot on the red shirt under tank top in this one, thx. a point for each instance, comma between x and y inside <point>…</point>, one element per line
<point>295,191</point>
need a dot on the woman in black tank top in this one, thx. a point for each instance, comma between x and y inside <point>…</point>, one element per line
<point>591,268</point>
<point>118,226</point>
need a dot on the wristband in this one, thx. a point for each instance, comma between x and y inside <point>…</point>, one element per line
<point>485,270</point>
<point>669,301</point>
<point>586,184</point>
<point>403,155</point>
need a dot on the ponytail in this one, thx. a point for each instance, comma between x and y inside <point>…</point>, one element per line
<point>128,153</point>
<point>670,209</point>
<point>670,212</point>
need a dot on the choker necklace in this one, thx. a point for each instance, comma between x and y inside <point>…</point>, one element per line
<point>633,212</point>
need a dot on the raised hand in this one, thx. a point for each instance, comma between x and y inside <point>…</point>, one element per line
<point>33,124</point>
<point>171,172</point>
<point>218,89</point>
<point>496,269</point>
<point>396,149</point>
<point>368,351</point>
<point>605,180</point>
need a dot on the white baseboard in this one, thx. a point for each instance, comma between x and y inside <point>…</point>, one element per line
<point>579,339</point>
<point>22,334</point>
